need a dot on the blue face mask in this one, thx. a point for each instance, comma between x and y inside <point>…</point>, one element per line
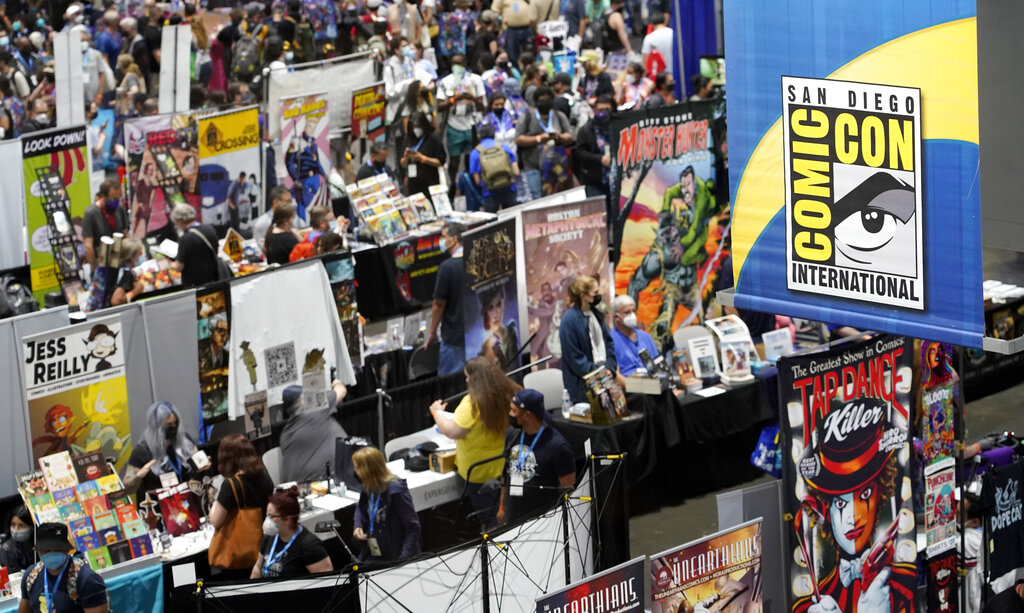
<point>442,244</point>
<point>113,204</point>
<point>140,260</point>
<point>54,560</point>
<point>5,41</point>
<point>333,225</point>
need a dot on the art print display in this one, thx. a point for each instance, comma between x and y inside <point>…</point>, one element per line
<point>720,572</point>
<point>940,401</point>
<point>304,152</point>
<point>77,392</point>
<point>671,236</point>
<point>560,243</point>
<point>490,296</point>
<point>851,543</point>
<point>619,589</point>
<point>341,273</point>
<point>230,168</point>
<point>855,165</point>
<point>213,330</point>
<point>163,170</point>
<point>940,500</point>
<point>943,588</point>
<point>57,192</point>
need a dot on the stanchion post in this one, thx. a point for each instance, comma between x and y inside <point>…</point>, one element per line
<point>484,575</point>
<point>380,418</point>
<point>565,538</point>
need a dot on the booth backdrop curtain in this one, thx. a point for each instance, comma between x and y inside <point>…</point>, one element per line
<point>693,21</point>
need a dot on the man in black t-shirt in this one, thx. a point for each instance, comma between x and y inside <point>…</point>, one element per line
<point>103,218</point>
<point>197,248</point>
<point>447,307</point>
<point>538,460</point>
<point>1010,600</point>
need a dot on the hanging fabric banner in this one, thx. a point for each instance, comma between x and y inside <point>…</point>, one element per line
<point>231,177</point>
<point>304,156</point>
<point>490,300</point>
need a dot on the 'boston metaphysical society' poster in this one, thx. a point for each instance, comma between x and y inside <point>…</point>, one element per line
<point>852,542</point>
<point>230,177</point>
<point>76,390</point>
<point>672,231</point>
<point>304,151</point>
<point>490,298</point>
<point>619,589</point>
<point>721,572</point>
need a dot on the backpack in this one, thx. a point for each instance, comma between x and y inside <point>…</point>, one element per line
<point>304,41</point>
<point>495,168</point>
<point>593,35</point>
<point>15,298</point>
<point>452,35</point>
<point>245,57</point>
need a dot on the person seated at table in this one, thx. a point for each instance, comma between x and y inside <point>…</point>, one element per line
<point>288,550</point>
<point>45,586</point>
<point>165,448</point>
<point>307,441</point>
<point>478,427</point>
<point>586,343</point>
<point>16,553</point>
<point>538,463</point>
<point>281,238</point>
<point>628,338</point>
<point>386,524</point>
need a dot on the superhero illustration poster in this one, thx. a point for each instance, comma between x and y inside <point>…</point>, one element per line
<point>940,401</point>
<point>719,573</point>
<point>940,500</point>
<point>54,212</point>
<point>304,153</point>
<point>490,303</point>
<point>77,393</point>
<point>851,541</point>
<point>163,170</point>
<point>560,242</point>
<point>671,236</point>
<point>619,589</point>
<point>230,172</point>
<point>213,330</point>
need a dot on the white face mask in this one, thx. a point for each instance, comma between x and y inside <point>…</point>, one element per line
<point>631,79</point>
<point>85,46</point>
<point>43,118</point>
<point>418,132</point>
<point>269,527</point>
<point>630,320</point>
<point>289,56</point>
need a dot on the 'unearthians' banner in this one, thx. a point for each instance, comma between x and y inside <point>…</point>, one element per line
<point>851,541</point>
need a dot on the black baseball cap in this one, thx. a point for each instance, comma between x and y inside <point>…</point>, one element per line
<point>52,536</point>
<point>532,401</point>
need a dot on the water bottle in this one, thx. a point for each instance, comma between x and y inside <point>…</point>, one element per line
<point>566,403</point>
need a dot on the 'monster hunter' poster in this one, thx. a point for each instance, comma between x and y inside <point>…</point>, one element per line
<point>672,231</point>
<point>490,303</point>
<point>304,151</point>
<point>851,541</point>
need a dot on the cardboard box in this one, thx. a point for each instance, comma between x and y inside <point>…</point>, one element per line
<point>442,461</point>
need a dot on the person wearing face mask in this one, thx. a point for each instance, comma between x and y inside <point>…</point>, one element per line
<point>633,86</point>
<point>542,126</point>
<point>628,337</point>
<point>423,160</point>
<point>288,550</point>
<point>592,153</point>
<point>539,462</point>
<point>447,306</point>
<point>664,91</point>
<point>128,286</point>
<point>386,524</point>
<point>502,120</point>
<point>586,343</point>
<point>9,68</point>
<point>595,82</point>
<point>16,552</point>
<point>461,94</point>
<point>165,449</point>
<point>376,163</point>
<point>45,587</point>
<point>103,218</point>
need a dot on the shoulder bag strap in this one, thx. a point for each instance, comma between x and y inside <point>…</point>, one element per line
<point>205,240</point>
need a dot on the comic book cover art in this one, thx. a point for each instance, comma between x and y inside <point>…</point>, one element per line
<point>489,300</point>
<point>213,329</point>
<point>943,592</point>
<point>719,573</point>
<point>851,541</point>
<point>940,399</point>
<point>180,509</point>
<point>230,170</point>
<point>671,236</point>
<point>940,501</point>
<point>619,589</point>
<point>560,243</point>
<point>304,151</point>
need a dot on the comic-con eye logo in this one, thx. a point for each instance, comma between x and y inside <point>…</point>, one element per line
<point>853,191</point>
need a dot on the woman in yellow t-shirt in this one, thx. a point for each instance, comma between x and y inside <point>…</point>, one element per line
<point>478,427</point>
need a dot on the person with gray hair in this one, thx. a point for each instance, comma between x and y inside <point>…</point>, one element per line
<point>165,448</point>
<point>197,247</point>
<point>138,48</point>
<point>628,337</point>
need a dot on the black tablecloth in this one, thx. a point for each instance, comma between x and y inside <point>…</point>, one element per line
<point>397,278</point>
<point>406,410</point>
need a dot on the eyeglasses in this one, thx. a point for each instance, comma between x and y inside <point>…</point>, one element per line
<point>106,341</point>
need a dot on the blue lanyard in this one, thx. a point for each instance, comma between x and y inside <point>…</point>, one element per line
<point>522,456</point>
<point>46,585</point>
<point>501,125</point>
<point>274,558</point>
<point>546,128</point>
<point>417,147</point>
<point>374,505</point>
<point>172,459</point>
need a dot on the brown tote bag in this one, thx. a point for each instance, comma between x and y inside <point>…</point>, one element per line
<point>237,543</point>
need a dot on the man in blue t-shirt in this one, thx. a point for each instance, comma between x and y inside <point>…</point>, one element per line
<point>628,338</point>
<point>60,583</point>
<point>500,198</point>
<point>447,307</point>
<point>538,460</point>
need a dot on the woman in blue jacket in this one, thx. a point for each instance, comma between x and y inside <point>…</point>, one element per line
<point>586,343</point>
<point>386,524</point>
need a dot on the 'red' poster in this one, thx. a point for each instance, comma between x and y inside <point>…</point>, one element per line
<point>851,541</point>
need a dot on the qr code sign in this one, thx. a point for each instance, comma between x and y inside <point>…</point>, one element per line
<point>280,362</point>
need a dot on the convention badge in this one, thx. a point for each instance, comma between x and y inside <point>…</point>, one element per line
<point>201,460</point>
<point>515,487</point>
<point>460,109</point>
<point>168,479</point>
<point>374,546</point>
<point>410,171</point>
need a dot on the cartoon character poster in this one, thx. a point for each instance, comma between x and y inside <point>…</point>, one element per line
<point>671,236</point>
<point>163,170</point>
<point>490,298</point>
<point>230,172</point>
<point>852,541</point>
<point>940,401</point>
<point>304,153</point>
<point>341,273</point>
<point>55,232</point>
<point>619,589</point>
<point>77,393</point>
<point>943,590</point>
<point>721,572</point>
<point>368,113</point>
<point>213,330</point>
<point>560,242</point>
<point>939,500</point>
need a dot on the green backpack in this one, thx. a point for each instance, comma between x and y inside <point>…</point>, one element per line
<point>495,168</point>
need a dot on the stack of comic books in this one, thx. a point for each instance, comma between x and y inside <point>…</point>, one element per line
<point>607,399</point>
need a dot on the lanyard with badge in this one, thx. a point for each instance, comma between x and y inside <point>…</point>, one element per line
<point>169,479</point>
<point>272,559</point>
<point>46,585</point>
<point>411,170</point>
<point>546,128</point>
<point>515,487</point>
<point>371,540</point>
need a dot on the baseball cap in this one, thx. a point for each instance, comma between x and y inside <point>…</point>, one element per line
<point>291,396</point>
<point>532,401</point>
<point>563,78</point>
<point>52,536</point>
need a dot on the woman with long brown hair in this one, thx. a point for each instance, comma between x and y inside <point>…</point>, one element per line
<point>386,524</point>
<point>478,427</point>
<point>247,486</point>
<point>281,238</point>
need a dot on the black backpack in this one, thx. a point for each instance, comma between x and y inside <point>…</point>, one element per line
<point>15,298</point>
